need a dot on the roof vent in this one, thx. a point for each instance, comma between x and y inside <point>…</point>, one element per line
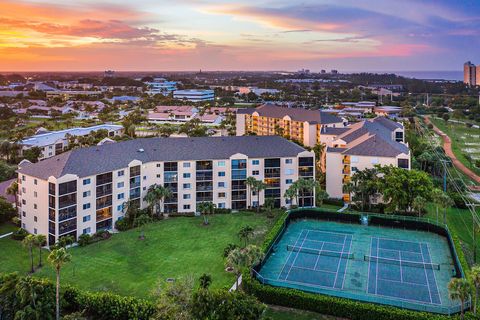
<point>141,150</point>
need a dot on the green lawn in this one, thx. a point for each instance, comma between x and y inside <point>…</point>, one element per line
<point>173,248</point>
<point>6,228</point>
<point>279,313</point>
<point>464,141</point>
<point>459,222</point>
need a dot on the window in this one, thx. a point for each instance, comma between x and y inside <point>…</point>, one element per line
<point>353,159</point>
<point>86,206</point>
<point>374,160</point>
<point>221,184</point>
<point>403,163</point>
<point>120,207</point>
<point>87,230</point>
<point>35,230</point>
<point>289,181</point>
<point>159,176</point>
<point>399,136</point>
<point>289,172</point>
<point>221,205</point>
<point>120,184</point>
<point>144,177</point>
<point>35,181</point>
<point>354,169</point>
<point>186,164</point>
<point>121,173</point>
<point>159,165</point>
<point>255,162</point>
<point>186,207</point>
<point>255,173</point>
<point>221,163</point>
<point>186,175</point>
<point>24,214</point>
<point>222,194</point>
<point>121,196</point>
<point>34,206</point>
<point>86,218</point>
<point>86,194</point>
<point>221,173</point>
<point>35,218</point>
<point>24,201</point>
<point>288,161</point>
<point>86,181</point>
<point>23,178</point>
<point>187,186</point>
<point>35,194</point>
<point>24,190</point>
<point>186,196</point>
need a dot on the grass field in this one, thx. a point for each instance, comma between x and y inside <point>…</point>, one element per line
<point>464,141</point>
<point>173,248</point>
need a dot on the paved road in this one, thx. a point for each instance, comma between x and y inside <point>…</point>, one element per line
<point>447,146</point>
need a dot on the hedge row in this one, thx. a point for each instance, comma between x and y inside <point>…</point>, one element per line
<point>273,233</point>
<point>105,305</point>
<point>329,305</point>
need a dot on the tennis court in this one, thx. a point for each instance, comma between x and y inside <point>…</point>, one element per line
<point>371,263</point>
<point>402,269</point>
<point>317,258</point>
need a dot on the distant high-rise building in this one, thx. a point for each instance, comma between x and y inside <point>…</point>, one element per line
<point>470,73</point>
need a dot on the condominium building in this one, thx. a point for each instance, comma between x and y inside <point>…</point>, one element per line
<point>470,74</point>
<point>161,86</point>
<point>360,146</point>
<point>84,190</point>
<point>194,95</point>
<point>54,142</point>
<point>298,124</point>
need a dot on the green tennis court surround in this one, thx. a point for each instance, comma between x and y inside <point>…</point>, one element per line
<point>395,261</point>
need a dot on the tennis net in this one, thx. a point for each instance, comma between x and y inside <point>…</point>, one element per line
<point>415,264</point>
<point>343,255</point>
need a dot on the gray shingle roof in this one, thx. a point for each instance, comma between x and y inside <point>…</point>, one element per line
<point>297,114</point>
<point>98,159</point>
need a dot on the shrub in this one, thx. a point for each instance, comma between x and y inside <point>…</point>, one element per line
<point>230,247</point>
<point>222,211</point>
<point>20,234</point>
<point>102,234</point>
<point>84,239</point>
<point>333,201</point>
<point>123,225</point>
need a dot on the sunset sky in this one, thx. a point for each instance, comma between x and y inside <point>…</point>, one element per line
<point>349,35</point>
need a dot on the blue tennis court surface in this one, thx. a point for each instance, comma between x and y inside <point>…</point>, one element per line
<point>318,258</point>
<point>392,266</point>
<point>403,270</point>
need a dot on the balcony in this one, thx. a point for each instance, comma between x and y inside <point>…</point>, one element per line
<point>346,197</point>
<point>346,160</point>
<point>105,213</point>
<point>346,170</point>
<point>346,179</point>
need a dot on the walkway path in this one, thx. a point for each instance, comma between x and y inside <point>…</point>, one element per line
<point>6,235</point>
<point>447,146</point>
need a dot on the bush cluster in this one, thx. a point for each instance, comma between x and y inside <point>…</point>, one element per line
<point>19,234</point>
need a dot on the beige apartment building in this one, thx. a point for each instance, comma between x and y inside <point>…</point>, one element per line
<point>360,146</point>
<point>302,125</point>
<point>84,190</point>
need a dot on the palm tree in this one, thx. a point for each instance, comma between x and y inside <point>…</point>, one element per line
<point>459,289</point>
<point>259,186</point>
<point>152,198</point>
<point>320,155</point>
<point>290,194</point>
<point>269,204</point>
<point>205,281</point>
<point>58,257</point>
<point>305,186</point>
<point>206,208</point>
<point>40,241</point>
<point>419,204</point>
<point>29,242</point>
<point>245,233</point>
<point>13,190</point>
<point>141,222</point>
<point>239,259</point>
<point>475,273</point>
<point>251,182</point>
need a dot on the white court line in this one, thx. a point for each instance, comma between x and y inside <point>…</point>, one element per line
<point>339,262</point>
<point>401,271</point>
<point>418,302</point>
<point>295,259</point>
<point>346,264</point>
<point>369,262</point>
<point>396,281</point>
<point>336,243</point>
<point>316,262</point>
<point>426,276</point>
<point>310,269</point>
<point>288,258</point>
<point>434,277</point>
<point>331,232</point>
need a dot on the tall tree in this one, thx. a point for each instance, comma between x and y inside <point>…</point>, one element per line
<point>459,289</point>
<point>140,222</point>
<point>40,241</point>
<point>475,274</point>
<point>206,208</point>
<point>245,234</point>
<point>58,258</point>
<point>28,242</point>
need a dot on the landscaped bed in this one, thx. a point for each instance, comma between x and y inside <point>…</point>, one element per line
<point>173,248</point>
